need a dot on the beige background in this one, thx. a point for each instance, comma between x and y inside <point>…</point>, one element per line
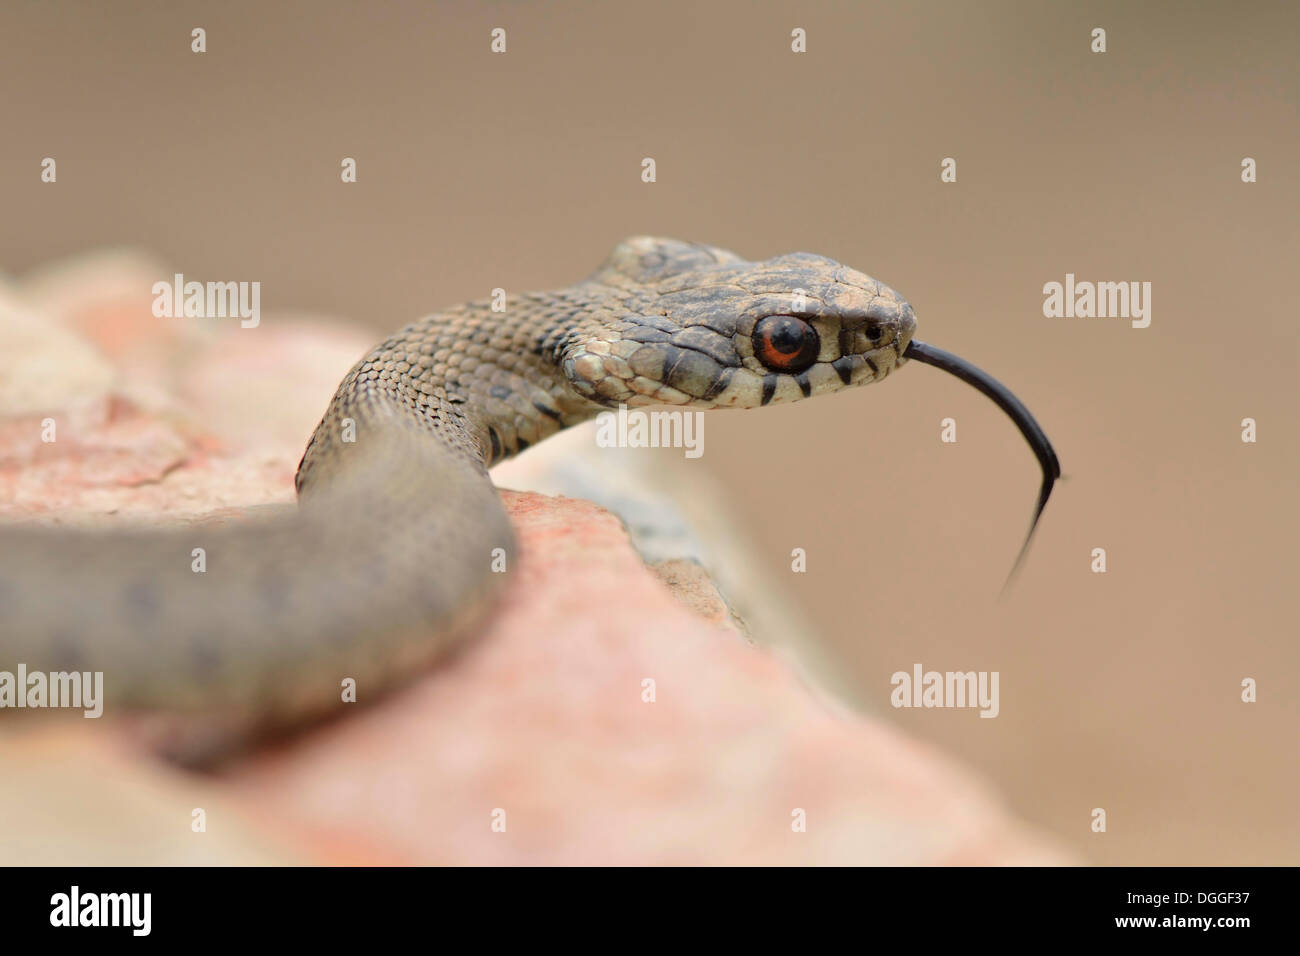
<point>1119,690</point>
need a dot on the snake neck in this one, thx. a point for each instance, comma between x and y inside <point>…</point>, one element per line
<point>485,384</point>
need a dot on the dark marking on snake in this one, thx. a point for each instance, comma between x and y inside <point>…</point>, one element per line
<point>547,410</point>
<point>718,385</point>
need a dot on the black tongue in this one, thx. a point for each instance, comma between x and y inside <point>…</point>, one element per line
<point>1015,409</point>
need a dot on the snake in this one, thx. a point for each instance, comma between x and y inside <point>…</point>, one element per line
<point>394,553</point>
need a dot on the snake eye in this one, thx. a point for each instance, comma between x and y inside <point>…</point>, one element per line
<point>786,344</point>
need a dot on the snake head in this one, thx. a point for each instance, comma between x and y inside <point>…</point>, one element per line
<point>678,323</point>
<point>689,324</point>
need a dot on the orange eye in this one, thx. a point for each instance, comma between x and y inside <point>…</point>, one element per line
<point>785,344</point>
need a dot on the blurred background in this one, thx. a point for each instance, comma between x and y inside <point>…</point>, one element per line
<point>1118,690</point>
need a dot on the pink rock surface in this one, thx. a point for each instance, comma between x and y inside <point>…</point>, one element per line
<point>541,723</point>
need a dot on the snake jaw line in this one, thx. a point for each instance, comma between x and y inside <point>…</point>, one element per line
<point>1015,409</point>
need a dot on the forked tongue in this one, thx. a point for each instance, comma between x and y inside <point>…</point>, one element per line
<point>1002,397</point>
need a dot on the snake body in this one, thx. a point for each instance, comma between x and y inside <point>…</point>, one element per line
<point>388,560</point>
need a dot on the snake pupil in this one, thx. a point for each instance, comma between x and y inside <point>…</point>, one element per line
<point>785,343</point>
<point>787,339</point>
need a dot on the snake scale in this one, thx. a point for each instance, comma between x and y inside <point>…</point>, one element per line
<point>387,561</point>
